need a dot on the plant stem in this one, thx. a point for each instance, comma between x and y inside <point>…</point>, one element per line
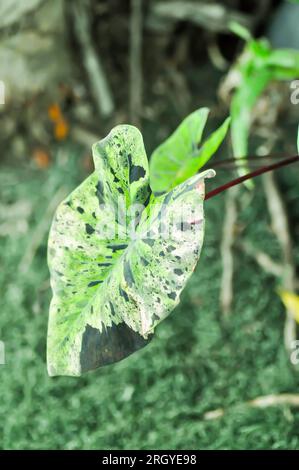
<point>250,159</point>
<point>251,175</point>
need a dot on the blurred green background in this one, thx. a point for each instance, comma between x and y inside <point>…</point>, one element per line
<point>199,360</point>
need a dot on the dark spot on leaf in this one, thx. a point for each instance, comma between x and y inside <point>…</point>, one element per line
<point>113,343</point>
<point>123,294</point>
<point>155,318</point>
<point>179,272</point>
<point>112,308</point>
<point>115,248</point>
<point>89,229</point>
<point>148,197</point>
<point>94,283</point>
<point>100,192</point>
<point>149,241</point>
<point>135,171</point>
<point>128,275</point>
<point>80,209</point>
<point>115,178</point>
<point>104,264</point>
<point>144,261</point>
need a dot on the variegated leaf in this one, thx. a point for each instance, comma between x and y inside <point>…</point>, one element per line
<point>118,257</point>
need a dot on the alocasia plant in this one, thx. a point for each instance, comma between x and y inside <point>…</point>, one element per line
<point>119,257</point>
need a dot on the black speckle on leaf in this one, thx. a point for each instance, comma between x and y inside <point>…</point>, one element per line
<point>135,171</point>
<point>123,294</point>
<point>80,210</point>
<point>179,272</point>
<point>128,275</point>
<point>100,192</point>
<point>115,178</point>
<point>112,308</point>
<point>117,247</point>
<point>149,241</point>
<point>148,197</point>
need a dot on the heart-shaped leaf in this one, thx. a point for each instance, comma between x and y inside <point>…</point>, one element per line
<point>291,302</point>
<point>179,157</point>
<point>118,256</point>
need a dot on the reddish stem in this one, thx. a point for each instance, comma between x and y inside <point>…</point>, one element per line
<point>253,174</point>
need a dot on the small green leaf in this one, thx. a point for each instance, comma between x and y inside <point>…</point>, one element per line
<point>179,157</point>
<point>113,285</point>
<point>240,30</point>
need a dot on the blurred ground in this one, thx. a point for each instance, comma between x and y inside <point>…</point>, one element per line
<point>157,398</point>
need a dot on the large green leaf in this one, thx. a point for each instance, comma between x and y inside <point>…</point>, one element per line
<point>179,157</point>
<point>118,256</point>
